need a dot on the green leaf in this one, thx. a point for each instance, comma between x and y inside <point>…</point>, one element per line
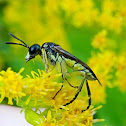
<point>32,117</point>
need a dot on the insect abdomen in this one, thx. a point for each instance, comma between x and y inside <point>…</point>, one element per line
<point>69,62</point>
<point>73,64</point>
<point>80,68</point>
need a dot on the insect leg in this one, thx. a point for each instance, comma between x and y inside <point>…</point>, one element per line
<point>89,95</point>
<point>58,92</point>
<point>78,91</point>
<point>75,73</point>
<point>45,60</point>
<point>71,84</point>
<point>62,81</point>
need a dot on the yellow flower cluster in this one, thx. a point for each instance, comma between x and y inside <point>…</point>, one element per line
<point>40,86</point>
<point>11,85</point>
<point>42,21</point>
<point>108,65</point>
<point>80,12</point>
<point>103,67</point>
<point>36,21</point>
<point>37,91</point>
<point>100,40</point>
<point>111,15</point>
<point>69,118</point>
<point>121,72</point>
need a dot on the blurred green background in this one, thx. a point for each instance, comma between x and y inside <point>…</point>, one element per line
<point>78,26</point>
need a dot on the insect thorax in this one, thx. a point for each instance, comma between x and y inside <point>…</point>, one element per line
<point>49,55</point>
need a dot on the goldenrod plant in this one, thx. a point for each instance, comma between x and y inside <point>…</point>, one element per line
<point>37,91</point>
<point>92,30</point>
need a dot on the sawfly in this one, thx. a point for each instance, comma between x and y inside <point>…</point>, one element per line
<point>52,54</point>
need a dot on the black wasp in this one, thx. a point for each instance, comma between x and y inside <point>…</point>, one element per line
<point>53,54</point>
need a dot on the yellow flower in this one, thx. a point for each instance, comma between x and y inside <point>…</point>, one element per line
<point>69,7</point>
<point>121,72</point>
<point>11,85</point>
<point>108,6</point>
<point>40,86</point>
<point>49,121</point>
<point>72,117</point>
<point>86,14</point>
<point>37,29</point>
<point>100,40</point>
<point>75,116</point>
<point>109,18</point>
<point>121,62</point>
<point>102,64</point>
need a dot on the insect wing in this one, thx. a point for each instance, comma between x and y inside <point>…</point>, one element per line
<point>66,54</point>
<point>70,56</point>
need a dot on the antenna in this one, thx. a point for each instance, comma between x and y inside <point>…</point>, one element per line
<point>24,44</point>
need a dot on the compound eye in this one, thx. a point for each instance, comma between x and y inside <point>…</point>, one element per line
<point>34,49</point>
